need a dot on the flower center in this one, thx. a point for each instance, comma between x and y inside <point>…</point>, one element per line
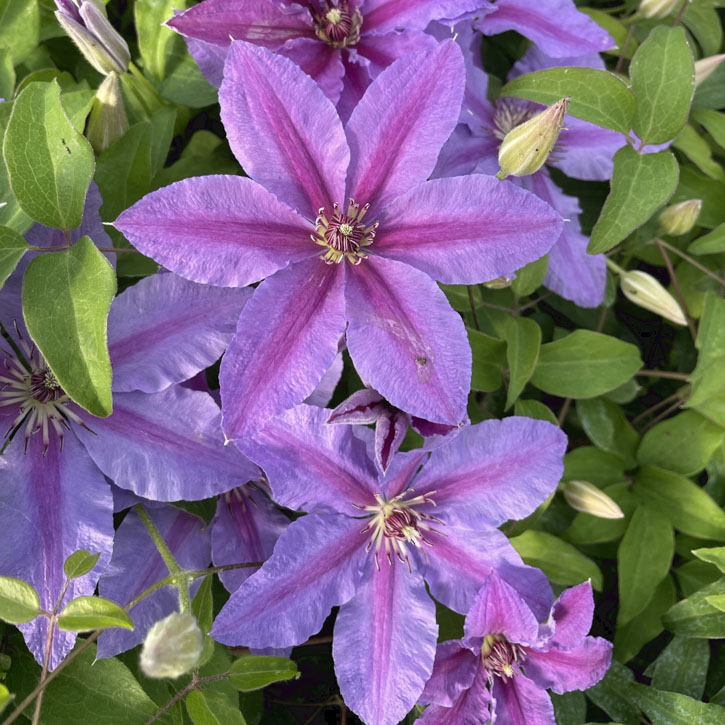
<point>509,113</point>
<point>501,657</point>
<point>337,25</point>
<point>343,234</point>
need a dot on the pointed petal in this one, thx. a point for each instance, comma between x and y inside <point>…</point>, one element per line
<point>383,16</point>
<point>406,340</point>
<point>382,50</point>
<point>322,394</point>
<point>286,339</point>
<point>572,614</point>
<point>586,151</point>
<point>319,60</point>
<point>312,466</point>
<point>316,565</point>
<point>136,565</point>
<point>403,467</point>
<point>50,507</point>
<point>400,125</point>
<point>221,230</point>
<point>496,470</point>
<point>210,58</point>
<point>464,152</point>
<point>471,707</point>
<point>166,446</point>
<point>520,702</point>
<point>467,229</point>
<point>362,407</point>
<point>454,670</point>
<point>389,433</point>
<point>283,129</point>
<point>164,330</point>
<point>355,83</point>
<point>384,644</point>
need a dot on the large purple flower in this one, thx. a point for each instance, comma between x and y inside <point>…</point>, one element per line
<point>369,543</point>
<point>506,660</point>
<point>366,264</point>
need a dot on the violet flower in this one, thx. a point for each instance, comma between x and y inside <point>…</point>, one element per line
<point>500,670</point>
<point>370,542</point>
<point>366,265</point>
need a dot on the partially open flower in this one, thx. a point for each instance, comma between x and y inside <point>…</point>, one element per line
<point>107,121</point>
<point>706,66</point>
<point>172,646</point>
<point>587,498</point>
<point>644,290</point>
<point>679,218</point>
<point>657,8</point>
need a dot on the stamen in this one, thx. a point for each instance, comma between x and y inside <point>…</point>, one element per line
<point>338,25</point>
<point>501,657</point>
<point>343,234</point>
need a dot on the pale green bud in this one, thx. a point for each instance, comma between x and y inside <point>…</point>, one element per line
<point>172,646</point>
<point>657,8</point>
<point>680,218</point>
<point>644,290</point>
<point>587,498</point>
<point>705,66</point>
<point>525,148</point>
<point>500,282</point>
<point>107,121</point>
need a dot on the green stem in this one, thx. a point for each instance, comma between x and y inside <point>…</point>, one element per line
<point>693,262</point>
<point>615,267</point>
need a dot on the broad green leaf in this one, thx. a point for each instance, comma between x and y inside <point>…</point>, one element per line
<point>569,708</point>
<point>588,529</point>
<point>663,82</point>
<point>253,672</point>
<point>695,575</point>
<point>643,558</point>
<point>11,215</point>
<point>717,601</point>
<point>682,667</point>
<point>83,614</point>
<point>202,607</point>
<point>611,694</point>
<point>457,295</point>
<point>714,556</point>
<point>12,249</point>
<point>616,29</point>
<point>711,243</point>
<point>608,428</point>
<point>79,563</point>
<point>7,74</point>
<point>184,84</point>
<point>523,338</point>
<point>66,298</point>
<point>671,708</point>
<point>50,164</point>
<point>596,96</point>
<point>530,277</point>
<point>698,151</point>
<point>587,463</point>
<point>585,364</point>
<point>695,185</point>
<point>704,23</point>
<point>687,506</point>
<point>5,697</point>
<point>696,617</point>
<point>19,27</point>
<point>714,123</point>
<point>155,40</point>
<point>534,409</point>
<point>560,561</point>
<point>641,184</point>
<point>19,602</point>
<point>212,708</point>
<point>489,356</point>
<point>625,393</point>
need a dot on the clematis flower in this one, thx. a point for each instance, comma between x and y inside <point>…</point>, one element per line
<point>342,44</point>
<point>366,264</point>
<point>370,542</point>
<point>500,670</point>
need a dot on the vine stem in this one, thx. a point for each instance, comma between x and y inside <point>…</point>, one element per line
<point>473,309</point>
<point>681,12</point>
<point>623,49</point>
<point>110,250</point>
<point>663,374</point>
<point>693,262</point>
<point>678,291</point>
<point>195,684</point>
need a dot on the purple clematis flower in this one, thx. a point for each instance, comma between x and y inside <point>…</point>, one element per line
<point>370,542</point>
<point>342,44</point>
<point>367,264</point>
<point>500,670</point>
<point>391,424</point>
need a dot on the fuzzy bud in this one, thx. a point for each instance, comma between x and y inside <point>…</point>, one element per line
<point>657,8</point>
<point>706,66</point>
<point>525,148</point>
<point>172,646</point>
<point>587,498</point>
<point>107,121</point>
<point>644,290</point>
<point>680,218</point>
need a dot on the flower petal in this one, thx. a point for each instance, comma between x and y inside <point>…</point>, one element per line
<point>319,60</point>
<point>467,229</point>
<point>521,702</point>
<point>362,407</point>
<point>286,340</point>
<point>384,644</point>
<point>454,670</point>
<point>283,129</point>
<point>355,83</point>
<point>407,341</point>
<point>400,125</point>
<point>325,389</point>
<point>389,433</point>
<point>382,50</point>
<point>586,151</point>
<point>164,330</point>
<point>403,467</point>
<point>210,58</point>
<point>222,230</point>
<point>471,707</point>
<point>166,446</point>
<point>464,152</point>
<point>317,564</point>
<point>572,613</point>
<point>382,16</point>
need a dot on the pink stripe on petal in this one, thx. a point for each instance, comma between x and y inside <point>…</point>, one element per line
<point>520,702</point>
<point>454,670</point>
<point>319,60</point>
<point>381,16</point>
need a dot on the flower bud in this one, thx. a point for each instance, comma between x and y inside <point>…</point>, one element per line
<point>705,66</point>
<point>172,646</point>
<point>500,282</point>
<point>587,498</point>
<point>680,218</point>
<point>644,290</point>
<point>657,8</point>
<point>526,147</point>
<point>107,121</point>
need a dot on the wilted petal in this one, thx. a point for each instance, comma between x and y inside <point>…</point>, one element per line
<point>319,60</point>
<point>222,230</point>
<point>316,565</point>
<point>471,708</point>
<point>283,129</point>
<point>164,330</point>
<point>572,614</point>
<point>453,672</point>
<point>384,644</point>
<point>521,702</point>
<point>382,50</point>
<point>406,340</point>
<point>362,407</point>
<point>166,446</point>
<point>286,339</point>
<point>382,16</point>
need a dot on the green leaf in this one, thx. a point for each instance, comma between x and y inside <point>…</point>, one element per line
<point>704,23</point>
<point>671,708</point>
<point>12,249</point>
<point>5,697</point>
<point>523,338</point>
<point>715,555</point>
<point>560,561</point>
<point>714,123</point>
<point>682,667</point>
<point>83,614</point>
<point>587,463</point>
<point>80,563</point>
<point>253,672</point>
<point>712,243</point>
<point>66,298</point>
<point>488,359</point>
<point>718,601</point>
<point>184,84</point>
<point>698,151</point>
<point>616,29</point>
<point>156,40</point>
<point>212,708</point>
<point>695,575</point>
<point>19,27</point>
<point>611,694</point>
<point>585,364</point>
<point>696,617</point>
<point>7,74</point>
<point>530,277</point>
<point>50,164</point>
<point>644,558</point>
<point>663,82</point>
<point>596,96</point>
<point>608,428</point>
<point>19,602</point>
<point>687,506</point>
<point>569,708</point>
<point>641,184</point>
<point>534,409</point>
<point>694,185</point>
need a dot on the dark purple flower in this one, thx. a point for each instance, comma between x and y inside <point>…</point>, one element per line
<point>366,265</point>
<point>502,667</point>
<point>370,542</point>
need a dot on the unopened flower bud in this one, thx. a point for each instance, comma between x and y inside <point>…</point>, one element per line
<point>644,290</point>
<point>706,66</point>
<point>172,646</point>
<point>500,282</point>
<point>587,498</point>
<point>680,218</point>
<point>107,121</point>
<point>525,148</point>
<point>657,8</point>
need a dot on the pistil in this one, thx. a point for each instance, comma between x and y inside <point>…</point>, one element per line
<point>338,25</point>
<point>343,234</point>
<point>501,657</point>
